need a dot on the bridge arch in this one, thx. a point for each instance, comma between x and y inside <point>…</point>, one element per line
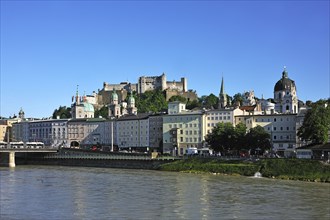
<point>74,144</point>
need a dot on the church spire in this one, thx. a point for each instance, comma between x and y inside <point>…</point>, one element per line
<point>222,89</point>
<point>222,96</point>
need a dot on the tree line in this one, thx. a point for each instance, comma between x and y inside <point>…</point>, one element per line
<point>227,139</point>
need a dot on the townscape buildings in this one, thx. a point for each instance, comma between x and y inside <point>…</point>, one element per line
<point>173,132</point>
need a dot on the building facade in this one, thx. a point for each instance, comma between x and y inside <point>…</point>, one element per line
<point>133,132</point>
<point>182,129</point>
<point>85,132</point>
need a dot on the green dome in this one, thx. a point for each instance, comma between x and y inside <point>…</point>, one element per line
<point>88,107</point>
<point>131,100</point>
<point>284,83</point>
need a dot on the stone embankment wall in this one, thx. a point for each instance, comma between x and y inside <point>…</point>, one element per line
<point>125,164</point>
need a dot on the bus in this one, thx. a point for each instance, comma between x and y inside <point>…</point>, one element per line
<point>16,144</point>
<point>3,144</point>
<point>34,145</point>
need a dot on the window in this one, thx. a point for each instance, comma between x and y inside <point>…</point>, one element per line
<point>275,137</point>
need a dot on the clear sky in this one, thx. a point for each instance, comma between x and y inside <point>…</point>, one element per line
<point>49,47</point>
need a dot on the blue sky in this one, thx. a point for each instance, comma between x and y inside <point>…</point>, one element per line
<point>47,48</point>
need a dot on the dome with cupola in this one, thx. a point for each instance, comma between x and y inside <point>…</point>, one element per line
<point>88,107</point>
<point>285,95</point>
<point>285,83</point>
<point>131,100</point>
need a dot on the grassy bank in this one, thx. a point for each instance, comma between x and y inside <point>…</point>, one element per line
<point>293,169</point>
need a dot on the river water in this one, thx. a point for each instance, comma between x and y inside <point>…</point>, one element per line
<point>55,192</point>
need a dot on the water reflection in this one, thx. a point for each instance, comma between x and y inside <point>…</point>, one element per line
<point>30,192</point>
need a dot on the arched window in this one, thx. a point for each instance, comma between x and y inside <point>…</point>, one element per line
<point>287,107</point>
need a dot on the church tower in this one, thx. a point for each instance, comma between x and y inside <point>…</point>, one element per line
<point>131,105</point>
<point>285,95</point>
<point>81,108</point>
<point>222,96</point>
<point>114,107</point>
<point>21,114</point>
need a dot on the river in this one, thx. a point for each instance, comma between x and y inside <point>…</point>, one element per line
<point>57,192</point>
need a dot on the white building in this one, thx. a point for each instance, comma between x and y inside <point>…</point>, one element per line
<point>85,132</point>
<point>52,132</point>
<point>281,127</point>
<point>133,132</point>
<point>213,117</point>
<point>182,129</point>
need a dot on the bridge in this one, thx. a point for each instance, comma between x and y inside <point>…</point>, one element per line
<point>10,150</point>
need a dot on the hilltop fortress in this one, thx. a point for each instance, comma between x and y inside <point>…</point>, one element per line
<point>145,83</point>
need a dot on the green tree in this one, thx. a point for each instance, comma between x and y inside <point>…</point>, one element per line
<point>240,137</point>
<point>178,98</point>
<point>193,104</point>
<point>257,139</point>
<point>316,124</point>
<point>209,102</point>
<point>103,112</point>
<point>151,101</point>
<point>238,98</point>
<point>62,112</point>
<point>222,137</point>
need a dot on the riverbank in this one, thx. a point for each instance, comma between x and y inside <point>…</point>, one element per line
<point>289,169</point>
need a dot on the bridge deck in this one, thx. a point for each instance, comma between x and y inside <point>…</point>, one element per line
<point>28,150</point>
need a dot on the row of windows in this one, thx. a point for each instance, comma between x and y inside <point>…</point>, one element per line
<point>281,137</point>
<point>281,128</point>
<point>42,131</point>
<point>219,113</point>
<point>131,133</point>
<point>133,139</point>
<point>180,119</point>
<point>187,140</point>
<point>45,124</point>
<point>219,118</point>
<point>269,119</point>
<point>180,125</point>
